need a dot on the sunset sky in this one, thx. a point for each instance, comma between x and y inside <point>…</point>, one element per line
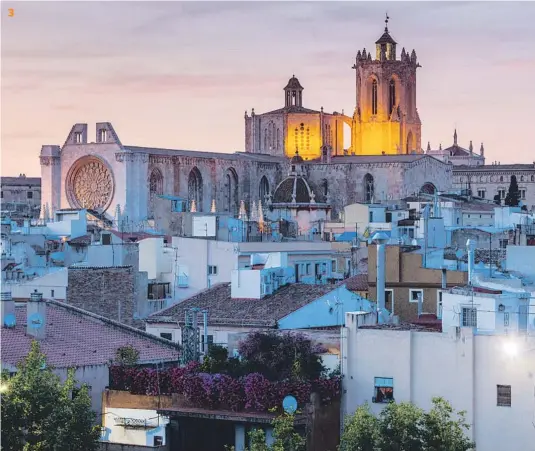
<point>181,75</point>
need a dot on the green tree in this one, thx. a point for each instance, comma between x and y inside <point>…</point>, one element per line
<point>513,195</point>
<point>405,427</point>
<point>40,413</point>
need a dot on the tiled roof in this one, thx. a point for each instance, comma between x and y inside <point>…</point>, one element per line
<point>224,310</point>
<point>75,337</point>
<point>357,283</point>
<point>84,240</point>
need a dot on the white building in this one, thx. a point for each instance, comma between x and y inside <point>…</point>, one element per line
<point>488,376</point>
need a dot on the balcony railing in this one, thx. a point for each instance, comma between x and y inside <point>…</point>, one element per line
<point>156,304</point>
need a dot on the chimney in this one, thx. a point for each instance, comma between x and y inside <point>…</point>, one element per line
<point>8,310</point>
<point>380,239</point>
<point>36,316</point>
<point>470,249</point>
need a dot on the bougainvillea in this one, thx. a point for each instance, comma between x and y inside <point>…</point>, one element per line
<point>220,391</point>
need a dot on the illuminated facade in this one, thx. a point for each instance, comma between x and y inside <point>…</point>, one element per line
<point>293,128</point>
<point>386,120</point>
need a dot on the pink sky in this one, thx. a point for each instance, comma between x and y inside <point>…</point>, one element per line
<point>181,75</point>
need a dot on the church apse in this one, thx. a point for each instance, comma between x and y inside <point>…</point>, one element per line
<point>386,121</point>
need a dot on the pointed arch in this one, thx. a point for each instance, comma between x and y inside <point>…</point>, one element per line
<point>374,96</point>
<point>263,189</point>
<point>195,188</point>
<point>156,182</point>
<point>391,95</point>
<point>369,188</point>
<point>232,203</point>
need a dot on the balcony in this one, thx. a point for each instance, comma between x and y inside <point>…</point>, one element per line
<point>155,305</point>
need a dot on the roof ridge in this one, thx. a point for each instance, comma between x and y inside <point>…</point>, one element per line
<point>113,323</point>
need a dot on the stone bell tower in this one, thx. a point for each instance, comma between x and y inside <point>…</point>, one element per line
<point>386,120</point>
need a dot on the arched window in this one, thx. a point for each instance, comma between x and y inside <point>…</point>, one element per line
<point>195,188</point>
<point>392,96</point>
<point>156,182</point>
<point>369,188</point>
<point>533,178</point>
<point>521,178</point>
<point>374,97</point>
<point>265,139</point>
<point>325,187</point>
<point>231,191</point>
<point>263,189</point>
<point>501,178</point>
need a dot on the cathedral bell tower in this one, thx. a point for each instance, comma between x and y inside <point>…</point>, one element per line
<point>386,120</point>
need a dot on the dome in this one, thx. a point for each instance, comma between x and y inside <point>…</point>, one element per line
<point>293,83</point>
<point>290,187</point>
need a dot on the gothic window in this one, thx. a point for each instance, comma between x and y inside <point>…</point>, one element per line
<point>374,97</point>
<point>265,139</point>
<point>369,188</point>
<point>325,187</point>
<point>156,182</point>
<point>501,178</point>
<point>521,178</point>
<point>392,96</point>
<point>195,188</point>
<point>231,191</point>
<point>278,138</point>
<point>263,189</point>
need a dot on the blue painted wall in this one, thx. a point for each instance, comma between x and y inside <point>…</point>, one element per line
<point>328,310</point>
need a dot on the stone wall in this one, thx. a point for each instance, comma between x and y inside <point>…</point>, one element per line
<point>109,292</point>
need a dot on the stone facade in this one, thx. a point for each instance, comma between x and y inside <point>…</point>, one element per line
<point>457,155</point>
<point>107,176</point>
<point>109,292</point>
<point>486,181</point>
<point>21,196</point>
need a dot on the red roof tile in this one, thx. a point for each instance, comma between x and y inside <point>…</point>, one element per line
<point>75,337</point>
<point>357,283</point>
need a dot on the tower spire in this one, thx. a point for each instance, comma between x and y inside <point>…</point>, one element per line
<point>386,21</point>
<point>455,138</point>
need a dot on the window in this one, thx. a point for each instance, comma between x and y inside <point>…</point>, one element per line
<point>504,243</point>
<point>158,440</point>
<point>439,304</point>
<point>212,270</point>
<point>503,395</point>
<point>469,317</point>
<point>522,193</point>
<point>102,135</point>
<point>384,390</point>
<point>29,195</point>
<point>308,268</point>
<point>392,92</point>
<point>333,266</point>
<point>389,300</point>
<point>415,295</point>
<point>374,97</point>
<point>481,193</point>
<point>371,216</point>
<point>51,293</point>
<point>501,193</point>
<point>533,178</point>
<point>506,320</point>
<point>106,238</point>
<point>78,137</point>
<point>501,178</point>
<point>167,335</point>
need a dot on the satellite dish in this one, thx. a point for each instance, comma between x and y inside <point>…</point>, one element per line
<point>289,404</point>
<point>10,320</point>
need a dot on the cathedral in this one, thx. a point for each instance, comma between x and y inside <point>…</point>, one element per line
<point>385,160</point>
